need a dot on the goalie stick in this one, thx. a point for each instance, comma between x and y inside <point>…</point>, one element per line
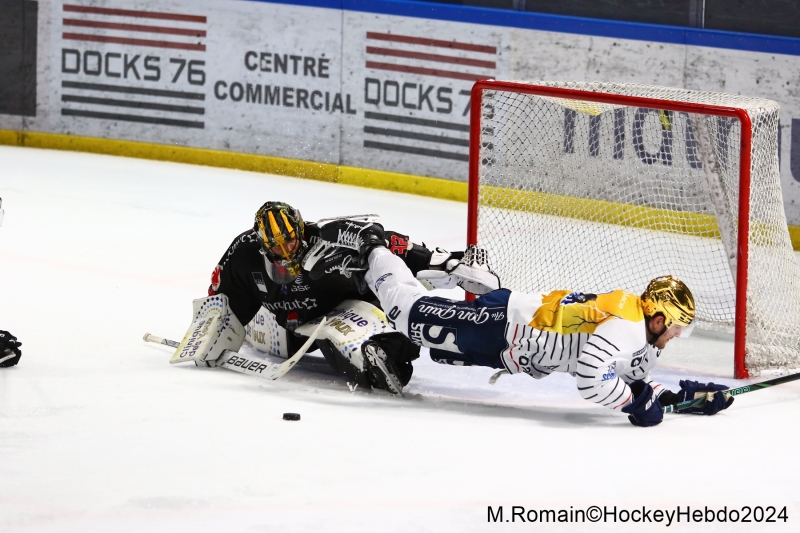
<point>735,392</point>
<point>259,367</point>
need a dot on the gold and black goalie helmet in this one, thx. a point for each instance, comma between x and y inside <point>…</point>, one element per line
<point>280,228</point>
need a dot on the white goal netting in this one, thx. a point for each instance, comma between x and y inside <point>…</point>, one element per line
<point>575,194</point>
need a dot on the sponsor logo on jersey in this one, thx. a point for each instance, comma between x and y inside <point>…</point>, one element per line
<point>308,303</point>
<point>298,285</point>
<point>623,299</point>
<point>638,355</point>
<point>381,279</point>
<point>611,372</point>
<point>573,297</point>
<point>398,245</point>
<point>259,279</point>
<point>249,237</point>
<point>215,279</point>
<point>478,315</point>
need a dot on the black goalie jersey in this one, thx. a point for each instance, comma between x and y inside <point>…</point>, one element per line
<point>242,276</point>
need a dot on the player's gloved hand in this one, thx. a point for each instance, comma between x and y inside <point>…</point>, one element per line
<point>645,410</point>
<point>356,235</point>
<point>9,349</point>
<point>715,399</point>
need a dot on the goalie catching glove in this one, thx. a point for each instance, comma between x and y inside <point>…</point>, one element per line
<point>470,271</point>
<point>214,329</point>
<point>446,270</point>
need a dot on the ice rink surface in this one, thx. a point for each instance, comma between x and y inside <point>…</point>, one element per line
<point>99,433</point>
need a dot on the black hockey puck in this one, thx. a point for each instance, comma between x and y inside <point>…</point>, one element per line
<point>291,416</point>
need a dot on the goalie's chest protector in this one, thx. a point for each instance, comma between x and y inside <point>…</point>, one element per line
<point>302,300</point>
<point>243,278</point>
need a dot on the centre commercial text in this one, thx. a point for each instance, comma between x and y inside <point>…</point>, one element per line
<point>292,65</point>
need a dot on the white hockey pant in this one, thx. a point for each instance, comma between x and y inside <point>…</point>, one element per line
<point>394,285</point>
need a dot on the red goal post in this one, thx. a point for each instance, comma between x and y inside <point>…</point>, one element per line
<point>526,158</point>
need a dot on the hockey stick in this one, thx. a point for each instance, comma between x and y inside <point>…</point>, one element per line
<point>735,392</point>
<point>255,367</point>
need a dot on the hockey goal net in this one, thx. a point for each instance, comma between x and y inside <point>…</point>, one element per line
<point>600,186</point>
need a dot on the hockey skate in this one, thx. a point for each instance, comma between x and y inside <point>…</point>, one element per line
<point>380,368</point>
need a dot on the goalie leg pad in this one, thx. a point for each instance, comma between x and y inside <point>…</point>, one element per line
<point>348,326</point>
<point>266,335</point>
<point>353,369</point>
<point>214,329</point>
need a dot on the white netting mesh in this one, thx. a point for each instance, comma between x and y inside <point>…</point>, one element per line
<point>594,197</point>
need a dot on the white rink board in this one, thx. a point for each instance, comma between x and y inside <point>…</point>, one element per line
<point>397,113</point>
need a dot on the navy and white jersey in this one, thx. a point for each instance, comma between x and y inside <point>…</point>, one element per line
<point>598,338</point>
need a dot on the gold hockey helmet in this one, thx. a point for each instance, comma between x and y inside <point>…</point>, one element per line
<point>671,297</point>
<point>280,228</point>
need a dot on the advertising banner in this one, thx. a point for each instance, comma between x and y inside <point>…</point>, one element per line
<point>354,87</point>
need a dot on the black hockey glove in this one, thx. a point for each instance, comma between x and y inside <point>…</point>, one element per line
<point>9,349</point>
<point>715,402</point>
<point>362,237</point>
<point>645,410</point>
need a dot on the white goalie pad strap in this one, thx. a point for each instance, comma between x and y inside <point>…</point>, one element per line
<point>436,279</point>
<point>474,273</point>
<point>474,279</point>
<point>214,329</point>
<point>350,324</point>
<point>266,335</point>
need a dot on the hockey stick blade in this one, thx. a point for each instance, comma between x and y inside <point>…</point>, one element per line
<point>735,392</point>
<point>260,368</point>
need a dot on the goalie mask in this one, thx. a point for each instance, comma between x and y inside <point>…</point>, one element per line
<point>280,229</point>
<point>671,297</point>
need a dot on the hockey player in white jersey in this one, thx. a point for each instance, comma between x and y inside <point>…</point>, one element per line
<point>609,341</point>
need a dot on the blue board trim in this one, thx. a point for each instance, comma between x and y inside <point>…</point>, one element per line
<point>556,23</point>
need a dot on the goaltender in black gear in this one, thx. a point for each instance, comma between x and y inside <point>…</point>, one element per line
<point>263,268</point>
